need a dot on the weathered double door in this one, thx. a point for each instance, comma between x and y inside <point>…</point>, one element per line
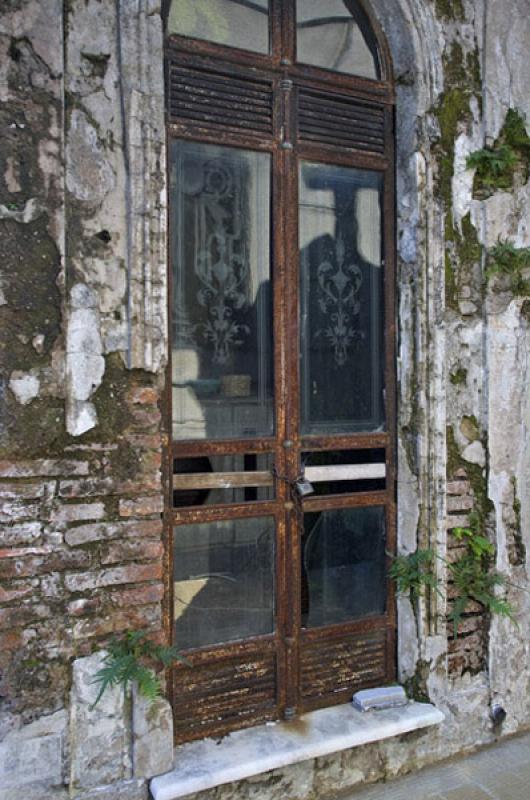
<point>282,382</point>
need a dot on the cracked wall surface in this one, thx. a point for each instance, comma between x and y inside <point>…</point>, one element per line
<point>83,317</point>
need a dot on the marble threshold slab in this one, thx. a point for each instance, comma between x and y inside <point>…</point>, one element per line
<point>211,762</point>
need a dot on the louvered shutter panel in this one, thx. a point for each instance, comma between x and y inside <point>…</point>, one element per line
<point>341,121</point>
<point>219,100</point>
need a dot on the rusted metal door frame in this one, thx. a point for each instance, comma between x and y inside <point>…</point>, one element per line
<point>286,78</point>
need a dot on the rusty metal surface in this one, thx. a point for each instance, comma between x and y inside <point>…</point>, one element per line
<point>223,690</point>
<point>340,664</point>
<point>269,103</point>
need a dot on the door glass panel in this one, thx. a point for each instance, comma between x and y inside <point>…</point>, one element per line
<point>235,23</point>
<point>223,581</point>
<point>222,339</point>
<point>341,275</point>
<point>343,565</point>
<point>336,35</point>
<point>233,478</point>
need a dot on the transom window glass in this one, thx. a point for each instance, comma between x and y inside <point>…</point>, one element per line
<point>282,502</point>
<point>234,23</point>
<point>336,35</point>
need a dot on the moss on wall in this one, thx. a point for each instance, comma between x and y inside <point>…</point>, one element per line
<point>476,475</point>
<point>449,9</point>
<point>462,83</point>
<point>458,377</point>
<point>498,166</point>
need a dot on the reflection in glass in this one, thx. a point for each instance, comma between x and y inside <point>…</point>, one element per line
<point>221,358</point>
<point>235,23</point>
<point>336,35</point>
<point>343,565</point>
<point>223,581</point>
<point>341,300</point>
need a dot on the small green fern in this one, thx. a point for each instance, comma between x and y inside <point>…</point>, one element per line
<point>510,262</point>
<point>125,663</point>
<point>473,577</point>
<point>494,166</point>
<point>413,571</point>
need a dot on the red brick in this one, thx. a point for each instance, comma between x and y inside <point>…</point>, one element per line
<point>146,418</point>
<point>21,552</point>
<point>20,616</point>
<point>457,521</point>
<point>133,573</point>
<point>94,447</point>
<point>102,531</point>
<point>141,506</point>
<point>152,441</point>
<point>142,595</point>
<point>144,395</point>
<point>84,606</point>
<point>87,487</point>
<point>140,617</point>
<point>16,592</point>
<point>79,511</point>
<point>148,482</point>
<point>42,467</point>
<point>38,565</point>
<point>11,640</point>
<point>458,487</point>
<point>13,511</point>
<point>460,503</point>
<point>24,533</point>
<point>135,550</point>
<point>455,553</point>
<point>23,491</point>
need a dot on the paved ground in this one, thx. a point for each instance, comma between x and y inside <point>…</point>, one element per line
<point>499,772</point>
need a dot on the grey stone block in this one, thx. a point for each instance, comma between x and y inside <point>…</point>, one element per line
<point>21,760</point>
<point>152,736</point>
<point>124,790</point>
<point>101,736</point>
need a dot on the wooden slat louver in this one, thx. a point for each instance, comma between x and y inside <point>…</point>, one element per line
<point>231,690</point>
<point>332,665</point>
<point>340,121</point>
<point>205,98</point>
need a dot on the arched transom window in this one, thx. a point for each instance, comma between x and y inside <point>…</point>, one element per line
<point>281,509</point>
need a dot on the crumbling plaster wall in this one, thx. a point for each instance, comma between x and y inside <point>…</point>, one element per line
<point>82,215</point>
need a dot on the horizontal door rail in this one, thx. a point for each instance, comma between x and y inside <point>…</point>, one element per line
<point>235,480</point>
<point>222,480</point>
<point>345,472</point>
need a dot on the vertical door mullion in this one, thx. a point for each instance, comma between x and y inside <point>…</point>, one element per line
<point>280,393</point>
<point>292,443</point>
<point>390,360</point>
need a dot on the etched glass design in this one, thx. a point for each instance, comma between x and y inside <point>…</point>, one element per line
<point>336,35</point>
<point>234,23</point>
<point>223,581</point>
<point>221,357</point>
<point>341,275</point>
<point>343,565</point>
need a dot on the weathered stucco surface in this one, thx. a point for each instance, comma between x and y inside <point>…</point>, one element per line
<point>83,317</point>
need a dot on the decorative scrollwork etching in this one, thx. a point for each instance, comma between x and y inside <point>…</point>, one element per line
<point>221,261</point>
<point>339,282</point>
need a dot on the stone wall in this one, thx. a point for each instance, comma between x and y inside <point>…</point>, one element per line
<point>83,321</point>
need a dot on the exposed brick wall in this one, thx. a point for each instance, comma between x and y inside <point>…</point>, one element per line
<point>81,553</point>
<point>468,651</point>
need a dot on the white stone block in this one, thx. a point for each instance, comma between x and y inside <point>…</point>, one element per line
<point>100,737</point>
<point>152,736</point>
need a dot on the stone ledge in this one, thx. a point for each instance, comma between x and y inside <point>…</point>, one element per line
<point>243,754</point>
